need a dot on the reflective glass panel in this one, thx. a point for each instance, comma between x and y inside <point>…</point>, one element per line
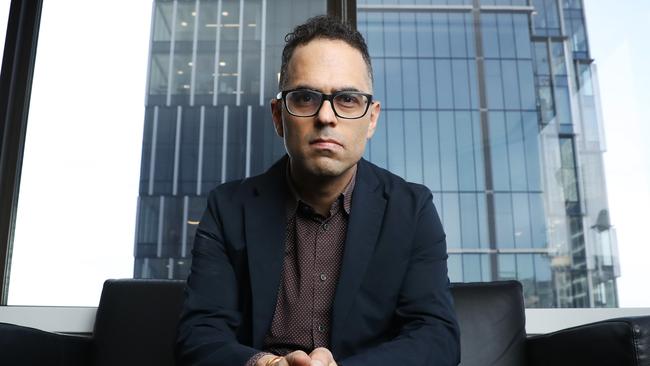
<point>78,193</point>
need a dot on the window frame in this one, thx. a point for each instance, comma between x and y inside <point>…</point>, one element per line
<point>15,92</point>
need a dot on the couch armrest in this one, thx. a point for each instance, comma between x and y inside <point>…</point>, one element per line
<point>21,346</point>
<point>615,342</point>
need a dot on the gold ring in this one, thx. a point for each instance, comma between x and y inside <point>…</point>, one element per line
<point>274,360</point>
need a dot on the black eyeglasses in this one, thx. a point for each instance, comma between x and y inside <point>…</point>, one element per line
<point>307,103</point>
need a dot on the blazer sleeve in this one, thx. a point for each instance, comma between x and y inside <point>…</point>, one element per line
<point>429,333</point>
<point>210,317</point>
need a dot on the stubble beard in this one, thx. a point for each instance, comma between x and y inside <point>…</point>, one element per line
<point>324,168</point>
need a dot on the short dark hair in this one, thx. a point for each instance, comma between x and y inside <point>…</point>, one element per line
<point>327,27</point>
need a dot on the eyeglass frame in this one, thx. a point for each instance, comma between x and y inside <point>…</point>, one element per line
<point>330,97</point>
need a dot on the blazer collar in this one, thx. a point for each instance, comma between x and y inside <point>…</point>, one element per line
<point>366,217</point>
<point>265,230</point>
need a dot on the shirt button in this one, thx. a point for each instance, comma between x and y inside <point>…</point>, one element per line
<point>325,226</point>
<point>322,328</point>
<point>323,277</point>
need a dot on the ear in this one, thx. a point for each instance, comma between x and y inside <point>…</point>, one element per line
<point>276,113</point>
<point>375,109</point>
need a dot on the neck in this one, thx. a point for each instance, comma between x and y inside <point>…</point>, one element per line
<point>320,191</point>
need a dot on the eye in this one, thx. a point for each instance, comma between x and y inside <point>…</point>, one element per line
<point>303,97</point>
<point>349,99</point>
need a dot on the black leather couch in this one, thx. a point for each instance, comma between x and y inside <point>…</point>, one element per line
<point>136,325</point>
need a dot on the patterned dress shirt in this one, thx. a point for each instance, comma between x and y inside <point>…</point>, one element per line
<point>312,261</point>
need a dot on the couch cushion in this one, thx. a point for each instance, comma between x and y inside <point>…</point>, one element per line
<point>23,346</point>
<point>492,323</point>
<point>613,342</point>
<point>137,319</point>
<point>136,322</point>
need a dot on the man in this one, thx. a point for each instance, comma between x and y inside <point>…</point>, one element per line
<point>325,259</point>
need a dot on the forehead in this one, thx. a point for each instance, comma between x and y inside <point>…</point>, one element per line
<point>328,65</point>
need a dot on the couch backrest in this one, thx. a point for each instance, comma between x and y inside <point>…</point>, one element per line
<point>492,323</point>
<point>136,323</point>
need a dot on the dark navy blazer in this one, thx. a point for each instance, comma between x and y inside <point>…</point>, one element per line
<point>392,304</point>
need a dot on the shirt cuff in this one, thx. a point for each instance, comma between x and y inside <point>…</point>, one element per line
<point>251,361</point>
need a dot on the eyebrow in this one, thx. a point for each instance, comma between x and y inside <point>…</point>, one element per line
<point>345,88</point>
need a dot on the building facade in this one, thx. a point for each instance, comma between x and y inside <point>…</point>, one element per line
<point>492,104</point>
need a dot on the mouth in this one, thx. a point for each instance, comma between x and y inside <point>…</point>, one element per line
<point>326,143</point>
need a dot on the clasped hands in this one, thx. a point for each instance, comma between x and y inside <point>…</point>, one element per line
<point>319,357</point>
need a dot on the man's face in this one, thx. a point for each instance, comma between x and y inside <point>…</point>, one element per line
<point>325,145</point>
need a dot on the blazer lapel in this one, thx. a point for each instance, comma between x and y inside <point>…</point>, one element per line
<point>366,216</point>
<point>265,227</point>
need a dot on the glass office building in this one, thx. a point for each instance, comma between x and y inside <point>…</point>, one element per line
<point>213,70</point>
<point>491,104</point>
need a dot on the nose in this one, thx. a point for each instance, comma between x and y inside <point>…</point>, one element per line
<point>326,114</point>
